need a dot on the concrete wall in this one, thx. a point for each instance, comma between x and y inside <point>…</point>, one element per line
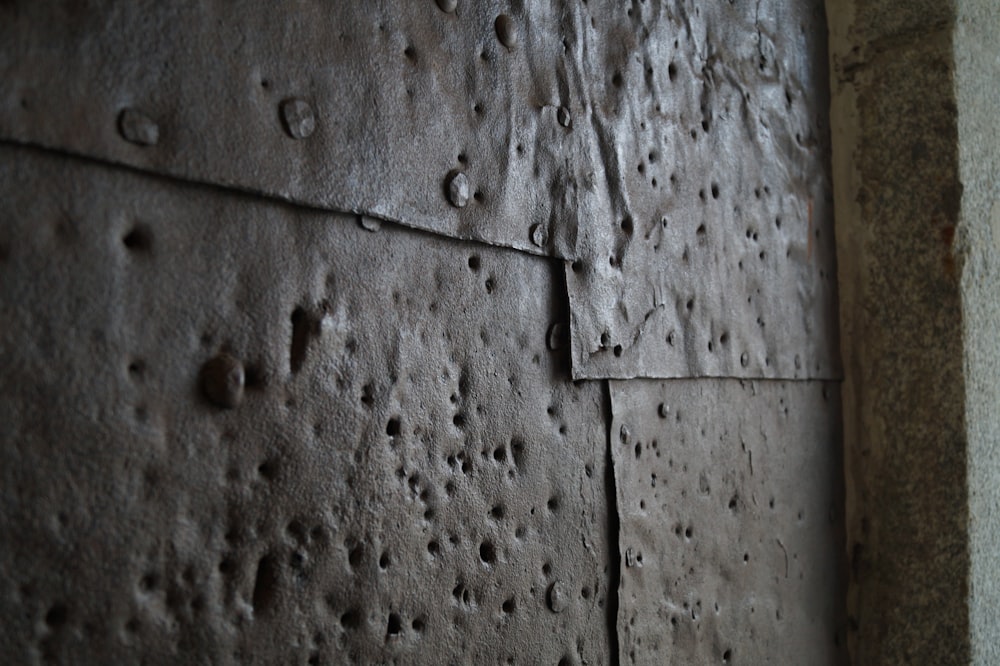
<point>977,72</point>
<point>915,155</point>
<point>407,332</point>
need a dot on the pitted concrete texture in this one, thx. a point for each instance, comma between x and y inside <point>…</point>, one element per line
<point>405,474</point>
<point>353,106</point>
<point>730,500</point>
<point>677,154</point>
<point>712,254</point>
<point>307,318</point>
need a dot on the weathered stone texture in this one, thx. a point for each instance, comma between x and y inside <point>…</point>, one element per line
<point>407,474</point>
<point>677,154</point>
<point>271,391</point>
<point>400,95</point>
<point>977,73</point>
<point>712,253</point>
<point>915,169</point>
<point>904,390</point>
<point>730,500</point>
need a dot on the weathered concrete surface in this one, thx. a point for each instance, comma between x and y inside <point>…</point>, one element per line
<point>408,472</point>
<point>977,77</point>
<point>915,171</point>
<point>679,154</point>
<point>730,500</point>
<point>713,252</point>
<point>237,430</point>
<point>897,203</point>
<point>394,97</point>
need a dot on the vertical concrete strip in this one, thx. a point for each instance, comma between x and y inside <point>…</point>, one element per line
<point>977,77</point>
<point>915,175</point>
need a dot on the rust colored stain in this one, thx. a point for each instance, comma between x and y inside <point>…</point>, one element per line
<point>948,235</point>
<point>947,239</point>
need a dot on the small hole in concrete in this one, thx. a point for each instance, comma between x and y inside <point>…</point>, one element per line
<point>139,239</point>
<point>351,619</point>
<point>57,616</point>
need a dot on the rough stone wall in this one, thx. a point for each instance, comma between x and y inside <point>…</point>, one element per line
<point>915,155</point>
<point>977,70</point>
<point>439,332</point>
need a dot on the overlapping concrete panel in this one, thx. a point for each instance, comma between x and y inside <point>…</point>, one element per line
<point>729,494</point>
<point>244,432</point>
<point>712,254</point>
<point>675,153</point>
<point>356,106</point>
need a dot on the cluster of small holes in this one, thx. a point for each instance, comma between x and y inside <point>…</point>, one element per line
<point>274,468</point>
<point>715,108</point>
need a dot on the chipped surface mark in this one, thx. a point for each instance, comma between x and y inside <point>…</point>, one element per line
<point>676,154</point>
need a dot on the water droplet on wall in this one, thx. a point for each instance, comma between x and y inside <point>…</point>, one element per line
<point>539,236</point>
<point>625,435</point>
<point>557,336</point>
<point>563,116</point>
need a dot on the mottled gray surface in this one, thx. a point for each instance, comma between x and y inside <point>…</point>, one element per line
<point>713,252</point>
<point>730,500</point>
<point>677,153</point>
<point>258,428</point>
<point>401,95</point>
<point>408,473</point>
<point>906,416</point>
<point>977,73</point>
